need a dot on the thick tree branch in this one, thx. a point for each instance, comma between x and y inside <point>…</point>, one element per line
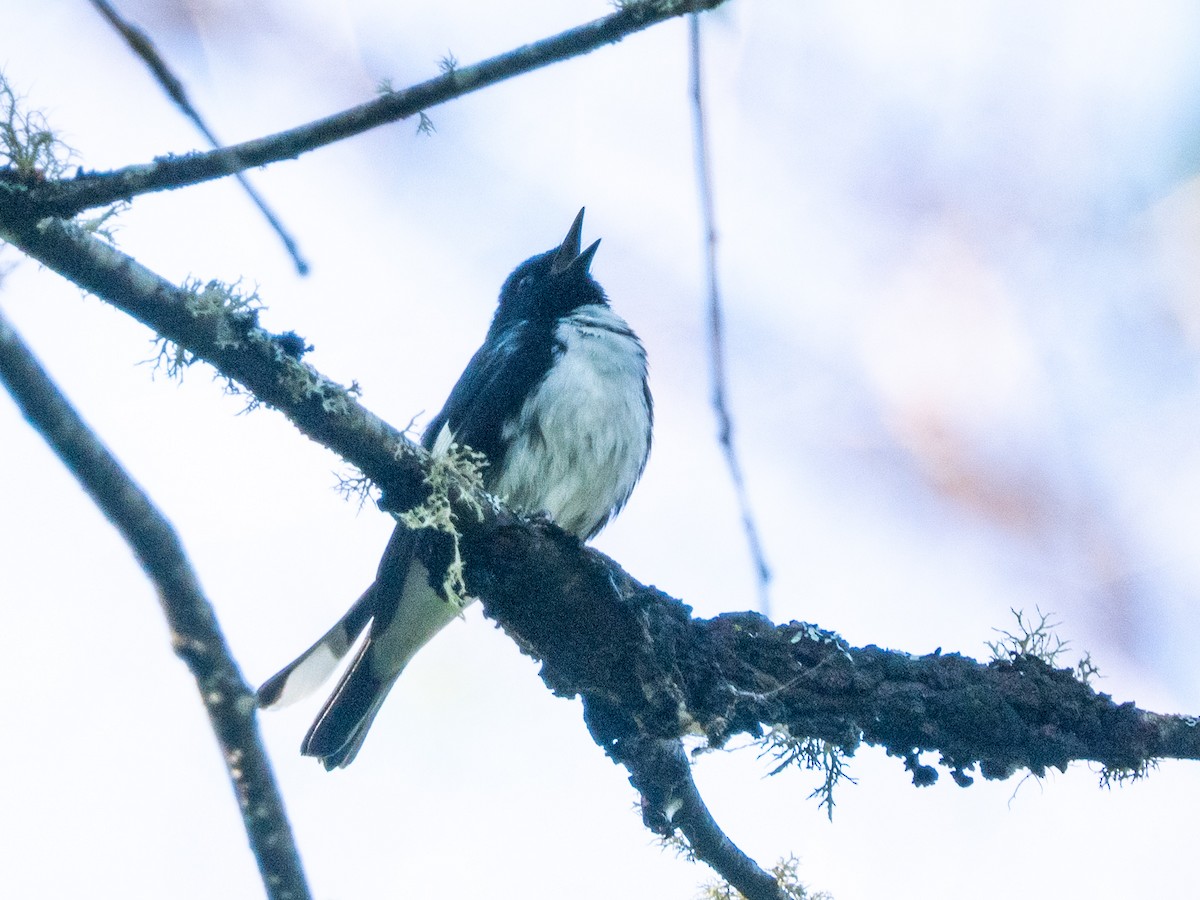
<point>65,198</point>
<point>195,634</point>
<point>645,667</point>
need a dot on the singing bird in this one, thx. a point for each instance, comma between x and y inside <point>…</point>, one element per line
<point>558,401</point>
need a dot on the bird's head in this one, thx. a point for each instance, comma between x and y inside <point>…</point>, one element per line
<point>550,285</point>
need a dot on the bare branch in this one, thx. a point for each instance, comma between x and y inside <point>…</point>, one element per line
<point>139,42</point>
<point>65,198</point>
<point>716,329</point>
<point>195,633</point>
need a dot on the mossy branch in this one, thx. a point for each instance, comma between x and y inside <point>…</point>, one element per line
<point>217,324</point>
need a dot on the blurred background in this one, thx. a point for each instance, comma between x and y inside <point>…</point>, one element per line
<point>958,253</point>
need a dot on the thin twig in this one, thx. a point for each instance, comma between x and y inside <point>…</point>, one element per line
<point>139,42</point>
<point>716,329</point>
<point>67,197</point>
<point>195,633</point>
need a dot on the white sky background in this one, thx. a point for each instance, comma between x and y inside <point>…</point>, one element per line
<point>958,249</point>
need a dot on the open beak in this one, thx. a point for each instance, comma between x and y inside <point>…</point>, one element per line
<point>568,257</point>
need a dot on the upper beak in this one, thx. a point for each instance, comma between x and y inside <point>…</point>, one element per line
<point>568,255</point>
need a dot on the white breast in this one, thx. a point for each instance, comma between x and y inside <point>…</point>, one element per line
<point>582,438</point>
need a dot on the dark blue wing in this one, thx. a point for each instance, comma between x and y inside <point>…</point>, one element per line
<point>493,388</point>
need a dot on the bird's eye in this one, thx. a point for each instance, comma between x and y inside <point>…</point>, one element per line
<point>525,283</point>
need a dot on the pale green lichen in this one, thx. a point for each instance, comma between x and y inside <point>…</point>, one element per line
<point>787,876</point>
<point>786,873</point>
<point>458,471</point>
<point>334,398</point>
<point>1038,639</point>
<point>302,383</point>
<point>233,311</point>
<point>27,144</point>
<point>810,632</point>
<point>103,224</point>
<point>811,754</point>
<point>298,381</point>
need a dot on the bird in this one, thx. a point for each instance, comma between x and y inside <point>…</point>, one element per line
<point>557,399</point>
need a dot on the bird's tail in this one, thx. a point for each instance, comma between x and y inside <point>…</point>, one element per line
<point>341,727</point>
<point>398,630</point>
<point>404,611</point>
<point>313,667</point>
